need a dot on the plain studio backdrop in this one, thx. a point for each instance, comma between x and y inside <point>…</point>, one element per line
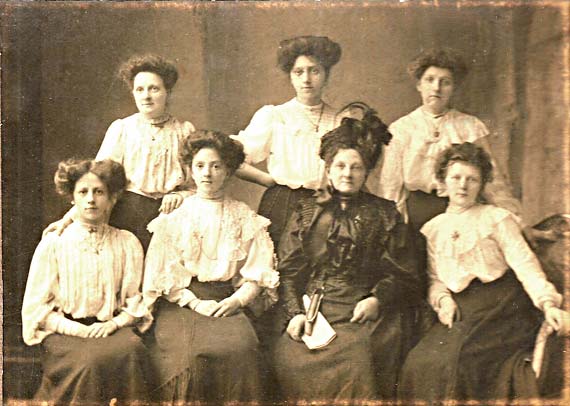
<point>60,91</point>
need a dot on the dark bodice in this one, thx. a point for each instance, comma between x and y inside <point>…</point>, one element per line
<point>359,243</point>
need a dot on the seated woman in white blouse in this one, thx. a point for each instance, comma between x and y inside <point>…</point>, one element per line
<point>487,288</point>
<point>207,261</point>
<point>289,135</point>
<point>83,295</point>
<point>147,145</point>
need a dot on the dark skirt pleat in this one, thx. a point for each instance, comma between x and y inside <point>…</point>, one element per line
<point>204,359</point>
<point>469,360</point>
<point>133,212</point>
<point>93,371</point>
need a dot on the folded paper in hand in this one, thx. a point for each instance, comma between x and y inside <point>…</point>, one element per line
<point>322,334</point>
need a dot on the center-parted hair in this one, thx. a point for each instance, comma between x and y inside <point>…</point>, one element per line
<point>327,52</point>
<point>149,63</point>
<point>468,153</point>
<point>111,173</point>
<point>365,136</point>
<point>230,151</point>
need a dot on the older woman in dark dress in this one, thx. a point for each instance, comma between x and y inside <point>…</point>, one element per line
<point>349,249</point>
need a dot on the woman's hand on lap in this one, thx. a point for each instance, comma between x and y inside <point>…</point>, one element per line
<point>366,310</point>
<point>448,311</point>
<point>101,330</point>
<point>228,307</point>
<point>207,307</point>
<point>170,202</point>
<point>296,327</point>
<point>558,319</point>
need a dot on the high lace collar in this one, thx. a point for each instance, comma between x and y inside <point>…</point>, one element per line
<point>157,121</point>
<point>313,109</point>
<point>328,194</point>
<point>458,210</point>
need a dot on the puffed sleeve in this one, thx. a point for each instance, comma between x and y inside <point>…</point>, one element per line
<point>524,263</point>
<point>164,273</point>
<point>437,289</point>
<point>400,282</point>
<point>113,146</point>
<point>258,270</point>
<point>256,138</point>
<point>292,264</point>
<point>497,191</point>
<point>132,304</point>
<point>40,297</point>
<point>391,184</point>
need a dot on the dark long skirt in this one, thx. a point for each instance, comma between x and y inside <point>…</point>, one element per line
<point>278,204</point>
<point>92,371</point>
<point>468,361</point>
<point>205,359</point>
<point>361,363</point>
<point>133,212</point>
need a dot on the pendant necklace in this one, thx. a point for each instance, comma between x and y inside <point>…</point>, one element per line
<point>213,257</point>
<point>435,121</point>
<point>318,123</point>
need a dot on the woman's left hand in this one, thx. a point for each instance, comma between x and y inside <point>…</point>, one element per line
<point>170,202</point>
<point>558,319</point>
<point>228,307</point>
<point>100,330</point>
<point>365,310</point>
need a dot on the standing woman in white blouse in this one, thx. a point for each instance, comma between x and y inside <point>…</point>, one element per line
<point>82,297</point>
<point>147,145</point>
<point>207,261</point>
<point>289,135</point>
<point>487,288</point>
<point>407,175</point>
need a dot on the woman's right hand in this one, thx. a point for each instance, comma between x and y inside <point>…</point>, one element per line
<point>448,311</point>
<point>58,226</point>
<point>206,307</point>
<point>296,327</point>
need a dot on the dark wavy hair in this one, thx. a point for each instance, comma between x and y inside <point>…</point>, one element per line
<point>365,136</point>
<point>111,173</point>
<point>440,58</point>
<point>468,153</point>
<point>149,63</point>
<point>327,52</point>
<point>230,151</point>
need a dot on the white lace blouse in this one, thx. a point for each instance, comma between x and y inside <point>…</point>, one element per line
<point>419,138</point>
<point>211,241</point>
<point>289,137</point>
<point>149,152</point>
<point>85,272</point>
<point>481,242</point>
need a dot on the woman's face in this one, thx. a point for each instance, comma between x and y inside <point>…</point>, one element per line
<point>347,172</point>
<point>463,183</point>
<point>436,88</point>
<point>150,94</point>
<point>309,78</point>
<point>209,172</point>
<point>92,199</point>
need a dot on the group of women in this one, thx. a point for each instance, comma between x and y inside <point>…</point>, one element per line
<point>229,296</point>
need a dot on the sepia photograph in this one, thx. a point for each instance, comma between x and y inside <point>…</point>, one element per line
<point>285,203</point>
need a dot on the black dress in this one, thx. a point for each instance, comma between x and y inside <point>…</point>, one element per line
<point>353,249</point>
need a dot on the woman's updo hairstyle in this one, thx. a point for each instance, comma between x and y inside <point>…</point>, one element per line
<point>440,58</point>
<point>327,52</point>
<point>366,136</point>
<point>468,153</point>
<point>230,151</point>
<point>111,173</point>
<point>149,63</point>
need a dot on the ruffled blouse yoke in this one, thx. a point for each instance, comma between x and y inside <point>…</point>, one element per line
<point>86,272</point>
<point>148,149</point>
<point>289,137</point>
<point>419,139</point>
<point>366,244</point>
<point>482,242</point>
<point>180,251</point>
